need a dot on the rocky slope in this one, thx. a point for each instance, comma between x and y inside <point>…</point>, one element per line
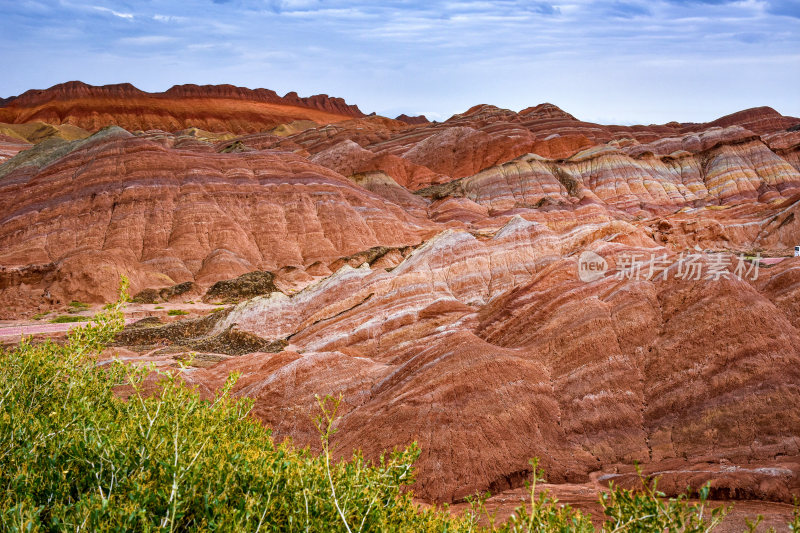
<point>77,215</point>
<point>431,273</point>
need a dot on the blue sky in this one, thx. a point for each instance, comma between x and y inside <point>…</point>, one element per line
<point>622,61</point>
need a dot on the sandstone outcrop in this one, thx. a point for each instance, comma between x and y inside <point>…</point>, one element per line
<point>786,144</point>
<point>758,119</point>
<point>348,158</point>
<point>419,119</point>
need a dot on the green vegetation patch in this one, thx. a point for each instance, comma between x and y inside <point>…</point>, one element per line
<point>177,312</point>
<point>76,306</point>
<point>65,319</point>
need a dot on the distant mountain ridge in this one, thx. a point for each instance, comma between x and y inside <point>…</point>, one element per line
<point>229,108</point>
<point>419,119</point>
<point>214,107</point>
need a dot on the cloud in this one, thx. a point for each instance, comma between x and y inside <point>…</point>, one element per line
<point>542,8</point>
<point>495,7</point>
<point>127,16</point>
<point>145,40</point>
<point>280,6</point>
<point>168,18</point>
<point>348,13</point>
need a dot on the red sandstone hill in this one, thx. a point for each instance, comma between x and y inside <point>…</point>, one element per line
<point>429,273</point>
<point>419,119</point>
<point>209,107</point>
<point>758,120</point>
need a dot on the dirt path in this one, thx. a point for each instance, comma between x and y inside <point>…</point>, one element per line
<point>14,329</point>
<point>36,329</point>
<point>17,330</point>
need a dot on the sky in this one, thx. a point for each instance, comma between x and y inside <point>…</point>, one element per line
<point>608,61</point>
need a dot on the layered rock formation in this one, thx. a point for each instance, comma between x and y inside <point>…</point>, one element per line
<point>431,274</point>
<point>209,107</point>
<point>486,136</point>
<point>11,146</point>
<point>76,216</point>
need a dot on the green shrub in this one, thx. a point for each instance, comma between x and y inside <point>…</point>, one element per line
<point>643,511</point>
<point>39,316</point>
<point>544,513</point>
<point>647,510</point>
<point>177,312</point>
<point>76,306</point>
<point>65,319</point>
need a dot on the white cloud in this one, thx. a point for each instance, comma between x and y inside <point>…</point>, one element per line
<point>146,40</point>
<point>348,13</point>
<point>127,16</point>
<point>169,18</point>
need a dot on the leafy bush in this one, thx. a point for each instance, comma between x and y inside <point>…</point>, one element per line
<point>66,319</point>
<point>177,312</point>
<point>75,456</point>
<point>542,514</point>
<point>647,510</point>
